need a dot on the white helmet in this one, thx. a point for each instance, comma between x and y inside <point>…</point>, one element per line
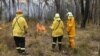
<point>69,14</point>
<point>57,15</point>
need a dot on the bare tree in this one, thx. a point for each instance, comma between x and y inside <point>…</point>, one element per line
<point>57,3</point>
<point>14,6</point>
<point>84,11</point>
<point>1,10</point>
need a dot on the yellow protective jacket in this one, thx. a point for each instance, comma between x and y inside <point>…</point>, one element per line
<point>71,26</point>
<point>19,26</point>
<point>57,28</point>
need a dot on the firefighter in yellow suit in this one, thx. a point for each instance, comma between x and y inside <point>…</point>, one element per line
<point>71,29</point>
<point>57,31</point>
<point>19,28</point>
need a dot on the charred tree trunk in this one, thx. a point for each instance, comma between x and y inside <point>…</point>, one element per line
<point>82,7</point>
<point>99,13</point>
<point>9,12</point>
<point>1,11</point>
<point>85,11</point>
<point>78,11</point>
<point>59,8</point>
<point>28,9</point>
<point>57,3</point>
<point>14,6</point>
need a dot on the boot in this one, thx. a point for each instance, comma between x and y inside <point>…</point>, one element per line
<point>60,47</point>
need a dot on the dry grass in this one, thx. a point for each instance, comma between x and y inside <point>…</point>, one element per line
<point>87,43</point>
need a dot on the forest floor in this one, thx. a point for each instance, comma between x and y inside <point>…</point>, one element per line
<point>87,42</point>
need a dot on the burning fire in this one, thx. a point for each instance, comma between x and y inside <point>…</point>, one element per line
<point>2,26</point>
<point>40,28</point>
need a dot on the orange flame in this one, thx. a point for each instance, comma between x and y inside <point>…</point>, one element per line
<point>2,26</point>
<point>40,28</point>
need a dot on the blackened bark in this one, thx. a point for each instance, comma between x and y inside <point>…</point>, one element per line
<point>57,3</point>
<point>0,10</point>
<point>85,14</point>
<point>82,7</point>
<point>28,9</point>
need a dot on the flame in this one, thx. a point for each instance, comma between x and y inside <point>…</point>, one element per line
<point>2,26</point>
<point>40,28</point>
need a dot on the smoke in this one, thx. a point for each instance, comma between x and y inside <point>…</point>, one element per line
<point>36,9</point>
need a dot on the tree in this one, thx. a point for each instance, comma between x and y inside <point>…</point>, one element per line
<point>57,3</point>
<point>59,8</point>
<point>1,11</point>
<point>84,11</point>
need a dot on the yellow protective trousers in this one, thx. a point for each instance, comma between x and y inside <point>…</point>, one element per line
<point>71,42</point>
